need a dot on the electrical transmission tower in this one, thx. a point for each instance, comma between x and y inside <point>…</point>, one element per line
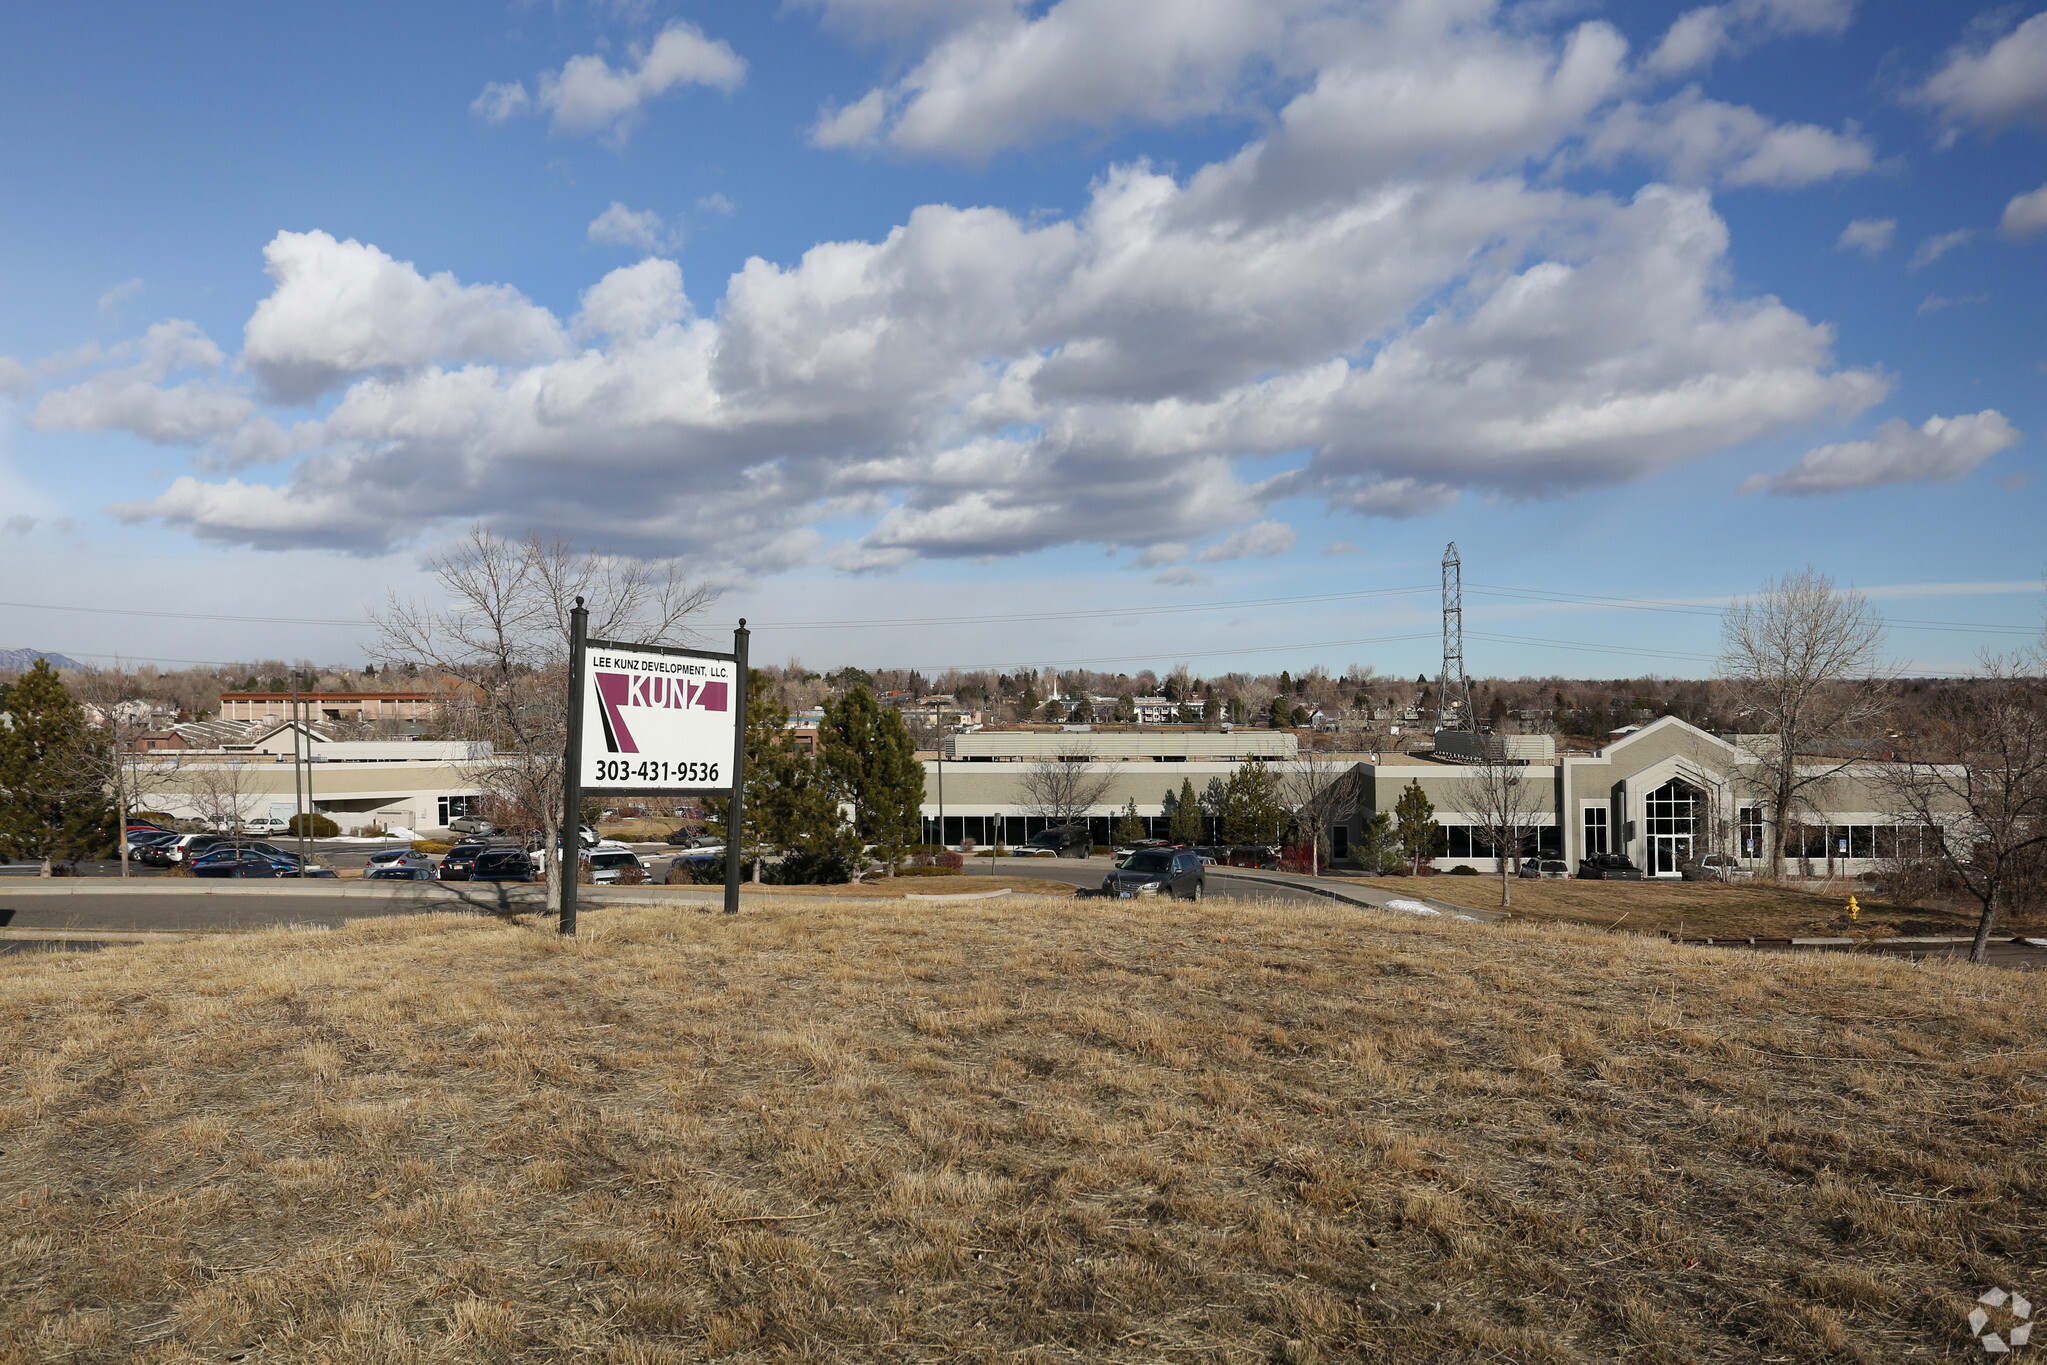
<point>1453,646</point>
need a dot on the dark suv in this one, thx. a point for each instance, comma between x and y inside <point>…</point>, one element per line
<point>1068,841</point>
<point>502,865</point>
<point>1608,867</point>
<point>1157,872</point>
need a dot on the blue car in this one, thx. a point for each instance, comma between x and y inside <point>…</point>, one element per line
<point>244,861</point>
<point>399,872</point>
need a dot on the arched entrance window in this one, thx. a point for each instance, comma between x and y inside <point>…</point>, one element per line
<point>1672,814</point>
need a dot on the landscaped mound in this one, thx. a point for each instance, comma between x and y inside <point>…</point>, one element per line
<point>1024,1129</point>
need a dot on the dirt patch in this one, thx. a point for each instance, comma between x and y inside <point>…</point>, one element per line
<point>1009,1130</point>
<point>1695,909</point>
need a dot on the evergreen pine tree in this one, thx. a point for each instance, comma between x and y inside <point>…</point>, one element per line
<point>1129,825</point>
<point>1186,824</point>
<point>1415,827</point>
<point>51,805</point>
<point>873,764</point>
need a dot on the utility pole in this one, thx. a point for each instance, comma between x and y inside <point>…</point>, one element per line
<point>298,801</point>
<point>1453,644</point>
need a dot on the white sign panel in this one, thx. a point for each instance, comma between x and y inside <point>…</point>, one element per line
<point>653,719</point>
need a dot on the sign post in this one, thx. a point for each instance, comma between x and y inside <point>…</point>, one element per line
<point>652,721</point>
<point>572,773</point>
<point>735,818</point>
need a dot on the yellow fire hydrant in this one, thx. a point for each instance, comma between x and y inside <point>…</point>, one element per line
<point>1854,910</point>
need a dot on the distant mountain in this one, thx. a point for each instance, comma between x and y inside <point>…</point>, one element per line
<point>22,660</point>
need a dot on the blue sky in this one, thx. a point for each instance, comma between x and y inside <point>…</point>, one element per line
<point>893,310</point>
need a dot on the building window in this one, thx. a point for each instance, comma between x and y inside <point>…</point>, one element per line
<point>453,808</point>
<point>1751,823</point>
<point>1457,841</point>
<point>1595,830</point>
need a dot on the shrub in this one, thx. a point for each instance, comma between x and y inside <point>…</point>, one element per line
<point>316,826</point>
<point>632,876</point>
<point>1463,870</point>
<point>925,870</point>
<point>431,846</point>
<point>804,868</point>
<point>952,862</point>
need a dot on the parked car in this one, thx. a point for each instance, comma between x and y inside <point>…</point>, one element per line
<point>455,866</point>
<point>139,839</point>
<point>502,865</point>
<point>400,872</point>
<point>384,857</point>
<point>1067,841</point>
<point>1532,868</point>
<point>1608,867</point>
<point>472,824</point>
<point>1126,849</point>
<point>239,860</point>
<point>1157,872</point>
<point>266,824</point>
<point>1716,867</point>
<point>1253,855</point>
<point>608,862</point>
<point>181,849</point>
<point>688,838</point>
<point>232,862</point>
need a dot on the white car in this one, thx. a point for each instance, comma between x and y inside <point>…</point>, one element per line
<point>608,860</point>
<point>266,824</point>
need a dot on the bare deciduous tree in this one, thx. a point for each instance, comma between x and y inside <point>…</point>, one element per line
<point>504,631</point>
<point>109,696</point>
<point>1318,788</point>
<point>1801,659</point>
<point>222,792</point>
<point>1979,777</point>
<point>1063,791</point>
<point>1504,801</point>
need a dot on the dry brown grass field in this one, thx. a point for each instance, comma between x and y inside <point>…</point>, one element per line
<point>1696,909</point>
<point>1029,1129</point>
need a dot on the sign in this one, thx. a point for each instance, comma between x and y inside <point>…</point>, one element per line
<point>657,718</point>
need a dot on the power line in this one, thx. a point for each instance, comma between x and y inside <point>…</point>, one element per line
<point>1692,609</point>
<point>189,615</point>
<point>1184,654</point>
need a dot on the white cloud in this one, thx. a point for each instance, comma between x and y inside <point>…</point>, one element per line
<point>2025,215</point>
<point>1871,236</point>
<point>1261,539</point>
<point>1340,547</point>
<point>1997,85</point>
<point>716,203</point>
<point>896,21</point>
<point>1700,35</point>
<point>111,301</point>
<point>1939,245</point>
<point>16,380</point>
<point>590,95</point>
<point>852,125</point>
<point>621,226</point>
<point>342,309</point>
<point>1379,302</point>
<point>1943,449</point>
<point>1165,552</point>
<point>1934,303</point>
<point>1181,576</point>
<point>1698,141</point>
<point>500,101</point>
<point>634,302</point>
<point>134,398</point>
